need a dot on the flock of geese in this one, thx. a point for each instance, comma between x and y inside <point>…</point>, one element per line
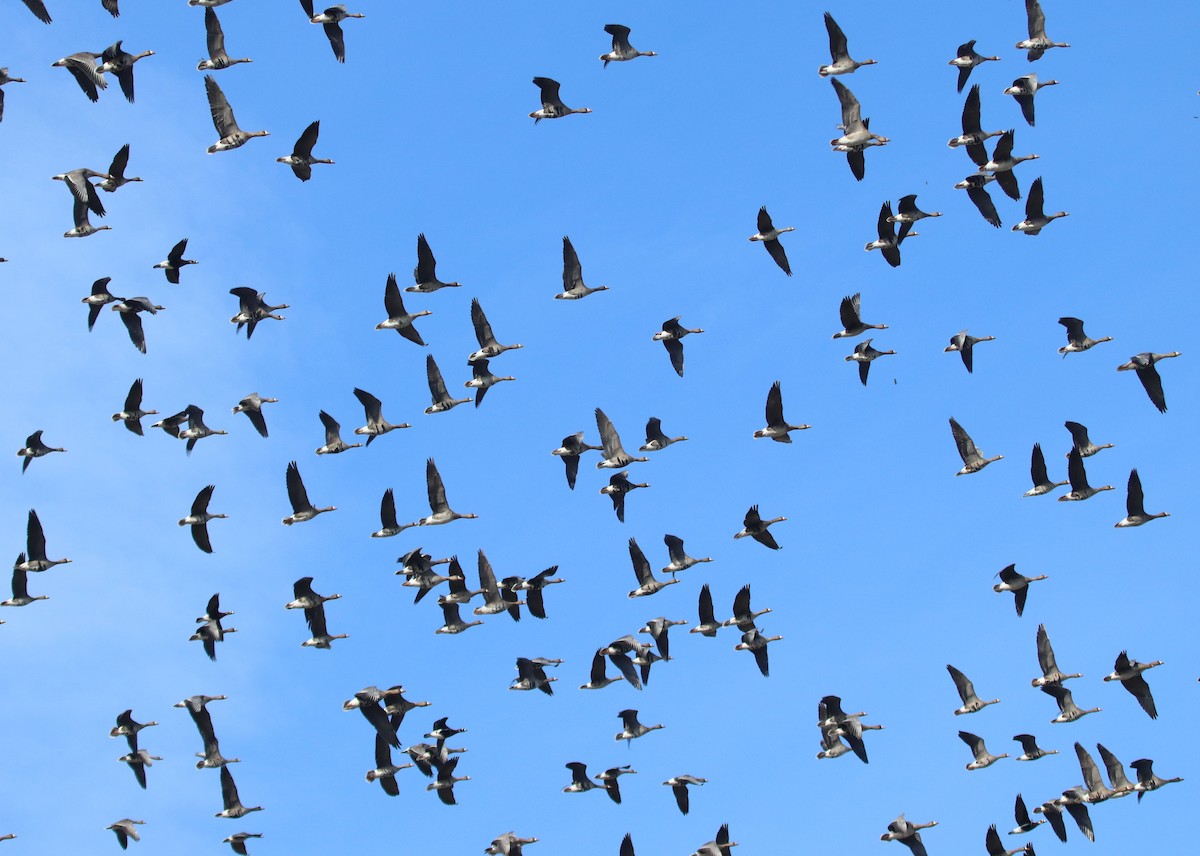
<point>630,656</point>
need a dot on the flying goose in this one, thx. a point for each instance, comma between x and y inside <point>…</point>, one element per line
<point>1002,161</point>
<point>439,508</point>
<point>1052,812</point>
<point>611,779</point>
<point>1036,218</point>
<point>99,298</point>
<point>229,796</point>
<point>209,635</point>
<point>976,187</point>
<point>647,583</point>
<point>552,106</point>
<point>615,456</point>
<point>1143,364</point>
<point>656,440</point>
<point>118,61</point>
<point>385,770</point>
<point>619,485</point>
<point>973,133</point>
<point>1082,442</point>
<point>20,589</point>
<point>488,346</point>
<point>533,589</point>
<point>174,260</point>
<point>399,319</point>
<point>1050,671</point>
<point>840,61</point>
<point>908,214</point>
<point>719,846</point>
<point>1037,43</point>
<point>1135,508</point>
<point>864,354</point>
<point>116,170</point>
<point>482,379</point>
<point>1030,751</point>
<point>251,405</point>
<point>199,516</point>
<point>983,758</point>
<point>437,389</point>
<point>301,159</point>
<point>83,225</point>
<point>5,78</point>
<point>1096,790</point>
<point>753,640</point>
<point>333,437</point>
<point>1023,90</point>
<point>425,273</point>
<point>446,781</point>
<point>966,59</point>
<point>230,136</point>
<point>573,286</point>
<point>965,345</point>
<point>1080,489</point>
<point>508,844</point>
<point>496,599</point>
<point>1127,671</point>
<point>427,757</point>
<point>679,787</point>
<point>671,335</point>
<point>452,622</point>
<point>302,509</point>
<point>1072,801</point>
<point>1016,583</point>
<point>831,716</point>
<point>252,308</point>
<point>124,828</point>
<point>579,779</point>
<point>1037,471</point>
<point>857,136</point>
<point>196,430</point>
<point>680,560</point>
<point>887,242</point>
<point>996,848</point>
<point>570,450</point>
<point>972,460</point>
<point>852,323</point>
<point>1077,340</point>
<point>659,628</point>
<point>35,547</point>
<point>1147,781</point>
<point>622,51</point>
<point>597,679</point>
<point>84,67</point>
<point>367,700</point>
<point>907,833</point>
<point>755,527</point>
<point>211,757</point>
<point>128,728</point>
<point>707,624</point>
<point>314,616</point>
<point>1068,710</point>
<point>34,448</point>
<point>769,235</point>
<point>387,516</point>
<point>215,38</point>
<point>376,425</point>
<point>971,703</point>
<point>632,728</point>
<point>82,190</point>
<point>332,19</point>
<point>532,676</point>
<point>237,841</point>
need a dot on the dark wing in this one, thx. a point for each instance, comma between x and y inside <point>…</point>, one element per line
<point>314,617</point>
<point>681,797</point>
<point>766,538</point>
<point>884,225</point>
<point>1019,597</point>
<point>535,602</point>
<point>383,758</point>
<point>760,657</point>
<point>119,162</point>
<point>1034,201</point>
<point>1053,815</point>
<point>175,257</point>
<point>625,666</point>
<point>1075,471</point>
<point>705,606</point>
<point>675,350</point>
<point>778,254</point>
<point>1004,146</point>
<point>1135,503</point>
<point>764,221</point>
<point>1141,691</point>
<point>483,330</point>
<point>333,428</point>
<point>675,547</point>
<point>297,495</point>
<point>741,602</point>
<point>572,272</point>
<point>437,386</point>
<point>641,567</point>
<point>393,303</point>
<point>857,162</point>
<point>970,113</point>
<point>308,139</point>
<point>966,446</point>
<point>336,40</point>
<point>752,520</point>
<point>308,8</point>
<point>851,110</point>
<point>1020,812</point>
<point>133,324</point>
<point>200,536</point>
<point>257,420</point>
<point>1037,470</point>
<point>618,501</point>
<point>1079,813</point>
<point>434,487</point>
<point>1153,386</point>
<point>387,510</point>
<point>571,462</point>
<point>549,88</point>
<point>218,105</point>
<point>837,44</point>
<point>38,8</point>
<point>1025,99</point>
<point>964,73</point>
<point>426,263</point>
<point>627,844</point>
<point>983,201</point>
<point>200,503</point>
<point>848,311</point>
<point>215,36</point>
<point>864,369</point>
<point>372,406</point>
<point>84,76</point>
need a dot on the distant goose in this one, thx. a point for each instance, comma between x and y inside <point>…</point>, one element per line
<point>332,19</point>
<point>719,846</point>
<point>570,450</point>
<point>437,389</point>
<point>133,413</point>
<point>1038,43</point>
<point>769,236</point>
<point>976,187</point>
<point>972,460</point>
<point>965,345</point>
<point>385,770</point>
<point>1135,508</point>
<point>34,448</point>
<point>647,583</point>
<point>442,730</point>
<point>533,589</point>
<point>680,560</point>
<point>756,642</point>
<point>612,778</point>
<point>1143,364</point>
<point>5,78</point>
<point>973,133</point>
<point>425,273</point>
<point>116,170</point>
<point>495,598</point>
<point>619,485</point>
<point>1072,801</point>
<point>301,159</point>
<point>1053,815</point>
<point>130,307</point>
<point>376,425</point>
<point>124,829</point>
<point>199,517</point>
<point>1003,160</point>
<point>83,226</point>
<point>459,593</point>
<point>622,51</point>
<point>230,136</point>
<point>196,707</point>
<point>840,61</point>
<point>1080,489</point>
<point>908,214</point>
<point>1127,671</point>
<point>251,405</point>
<point>400,319</point>
<point>679,787</point>
<point>85,69</point>
<point>1147,781</point>
<point>196,429</point>
<point>1077,340</point>
<point>488,346</point>
<point>966,59</point>
<point>252,308</point>
<point>552,106</point>
<point>1068,710</point>
<point>440,511</point>
<point>857,135</point>
<point>659,630</point>
<point>367,701</point>
<point>1081,441</point>
<point>314,617</point>
<point>573,286</point>
<point>864,354</point>
<point>1023,90</point>
<point>983,758</point>
<point>229,796</point>
<point>632,728</point>
<point>482,379</point>
<point>237,841</point>
<point>128,728</point>
<point>656,440</point>
<point>707,624</point>
<point>778,427</point>
<point>1016,583</point>
<point>1030,751</point>
<point>1036,218</point>
<point>887,242</point>
<point>971,703</point>
<point>754,526</point>
<point>580,782</point>
<point>671,335</point>
<point>1121,786</point>
<point>302,509</point>
<point>532,676</point>
<point>120,62</point>
<point>1051,674</point>
<point>35,547</point>
<point>98,299</point>
<point>908,834</point>
<point>597,679</point>
<point>138,762</point>
<point>215,37</point>
<point>333,437</point>
<point>996,848</point>
<point>175,261</point>
<point>615,456</point>
<point>20,586</point>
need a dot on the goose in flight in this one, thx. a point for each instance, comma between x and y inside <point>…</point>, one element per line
<point>533,588</point>
<point>754,526</point>
<point>229,796</point>
<point>305,597</point>
<point>35,547</point>
<point>632,728</point>
<point>864,355</point>
<point>488,346</point>
<point>615,456</point>
<point>611,779</point>
<point>857,135</point>
<point>302,509</point>
<point>367,700</point>
<point>983,758</point>
<point>907,833</point>
<point>1050,671</point>
<point>887,242</point>
<point>440,511</point>
<point>314,616</point>
<point>237,841</point>
<point>333,437</point>
<point>116,171</point>
<point>1025,824</point>
<point>124,828</point>
<point>1096,791</point>
<point>778,427</point>
<point>128,728</point>
<point>1081,441</point>
<point>399,319</point>
<point>966,59</point>
<point>976,187</point>
<point>199,516</point>
<point>573,285</point>
<point>597,679</point>
<point>1068,710</point>
<point>251,405</point>
<point>438,393</point>
<point>211,631</point>
<point>719,846</point>
<point>679,787</point>
<point>376,425</point>
<point>1036,218</point>
<point>671,335</point>
<point>174,261</point>
<point>301,159</point>
<point>1017,583</point>
<point>1001,162</point>
<point>972,460</point>
<point>385,770</point>
<point>138,762</point>
<point>1127,671</point>
<point>1077,340</point>
<point>680,560</point>
<point>971,703</point>
<point>332,19</point>
<point>1023,90</point>
<point>756,642</point>
<point>622,51</point>
<point>1030,751</point>
<point>909,213</point>
<point>1038,43</point>
<point>6,78</point>
<point>769,236</point>
<point>34,448</point>
<point>647,583</point>
<point>1135,508</point>
<point>84,67</point>
<point>659,630</point>
<point>619,485</point>
<point>230,136</point>
<point>446,781</point>
<point>532,676</point>
<point>482,379</point>
<point>552,106</point>
<point>743,616</point>
<point>973,133</point>
<point>196,429</point>
<point>215,38</point>
<point>1080,489</point>
<point>965,345</point>
<point>1147,781</point>
<point>656,440</point>
<point>197,707</point>
<point>252,308</point>
<point>496,599</point>
<point>570,451</point>
<point>1143,364</point>
<point>116,60</point>
<point>839,55</point>
<point>130,309</point>
<point>98,299</point>
<point>20,587</point>
<point>996,848</point>
<point>425,273</point>
<point>580,782</point>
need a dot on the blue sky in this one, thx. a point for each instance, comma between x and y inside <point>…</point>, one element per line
<point>886,569</point>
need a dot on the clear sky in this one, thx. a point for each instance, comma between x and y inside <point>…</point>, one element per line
<point>887,559</point>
